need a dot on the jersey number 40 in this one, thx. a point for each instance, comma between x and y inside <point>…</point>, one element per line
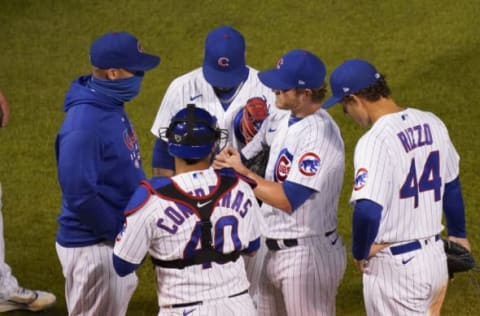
<point>429,180</point>
<point>194,244</point>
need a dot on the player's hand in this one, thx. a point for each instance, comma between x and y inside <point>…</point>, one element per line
<point>462,241</point>
<point>4,111</point>
<point>376,248</point>
<point>229,157</point>
<point>362,265</point>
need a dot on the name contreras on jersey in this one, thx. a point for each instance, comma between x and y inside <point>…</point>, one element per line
<point>414,137</point>
<point>178,214</point>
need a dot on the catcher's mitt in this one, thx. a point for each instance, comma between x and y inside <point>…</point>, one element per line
<point>254,112</point>
<point>258,163</point>
<point>459,259</point>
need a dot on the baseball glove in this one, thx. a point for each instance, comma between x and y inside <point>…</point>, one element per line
<point>254,112</point>
<point>258,163</point>
<point>459,259</point>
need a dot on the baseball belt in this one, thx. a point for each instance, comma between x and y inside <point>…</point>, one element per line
<point>279,244</point>
<point>413,245</point>
<point>199,302</point>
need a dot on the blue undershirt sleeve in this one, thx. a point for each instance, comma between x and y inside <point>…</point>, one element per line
<point>123,267</point>
<point>253,246</point>
<point>296,193</point>
<point>454,209</point>
<point>160,156</point>
<point>366,220</point>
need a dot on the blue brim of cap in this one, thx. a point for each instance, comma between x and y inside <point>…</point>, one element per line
<point>331,102</point>
<point>147,62</point>
<point>271,79</point>
<point>223,79</point>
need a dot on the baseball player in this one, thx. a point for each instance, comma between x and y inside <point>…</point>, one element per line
<point>306,257</point>
<point>406,173</point>
<point>13,296</point>
<point>222,86</point>
<point>99,167</point>
<point>195,225</point>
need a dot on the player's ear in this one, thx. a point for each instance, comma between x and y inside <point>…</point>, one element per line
<point>215,148</point>
<point>117,73</point>
<point>111,73</point>
<point>355,100</point>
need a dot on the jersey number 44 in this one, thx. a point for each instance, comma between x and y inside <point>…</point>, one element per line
<point>429,180</point>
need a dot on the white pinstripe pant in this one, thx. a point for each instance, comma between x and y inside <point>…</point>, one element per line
<point>302,280</point>
<point>407,283</point>
<point>92,286</point>
<point>8,283</point>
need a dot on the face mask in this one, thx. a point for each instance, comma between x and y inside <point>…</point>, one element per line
<point>122,90</point>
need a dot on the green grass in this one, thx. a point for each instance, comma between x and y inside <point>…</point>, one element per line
<point>427,48</point>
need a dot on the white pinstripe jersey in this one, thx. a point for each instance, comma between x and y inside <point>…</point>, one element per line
<point>163,228</point>
<point>311,153</point>
<point>193,88</point>
<point>403,163</point>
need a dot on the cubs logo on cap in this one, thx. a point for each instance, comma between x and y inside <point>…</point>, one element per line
<point>224,59</point>
<point>299,69</point>
<point>121,50</point>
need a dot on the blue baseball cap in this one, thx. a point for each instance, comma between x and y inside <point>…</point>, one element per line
<point>350,77</point>
<point>121,50</point>
<point>298,69</point>
<point>224,59</point>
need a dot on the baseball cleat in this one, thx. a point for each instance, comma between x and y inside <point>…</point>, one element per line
<point>28,300</point>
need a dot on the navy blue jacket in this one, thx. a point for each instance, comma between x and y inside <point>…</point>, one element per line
<point>98,165</point>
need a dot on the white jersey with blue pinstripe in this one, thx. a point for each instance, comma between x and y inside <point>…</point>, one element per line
<point>310,153</point>
<point>193,88</point>
<point>403,163</point>
<point>164,229</point>
<point>303,279</point>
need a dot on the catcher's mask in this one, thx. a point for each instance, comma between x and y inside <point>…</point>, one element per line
<point>193,133</point>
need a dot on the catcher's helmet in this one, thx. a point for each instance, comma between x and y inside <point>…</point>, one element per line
<point>192,133</point>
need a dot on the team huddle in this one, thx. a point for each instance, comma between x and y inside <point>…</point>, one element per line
<point>228,239</point>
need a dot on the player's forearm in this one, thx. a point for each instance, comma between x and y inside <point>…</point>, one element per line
<point>269,192</point>
<point>366,221</point>
<point>454,209</point>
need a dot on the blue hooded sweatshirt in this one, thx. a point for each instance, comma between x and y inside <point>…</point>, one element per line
<point>98,165</point>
